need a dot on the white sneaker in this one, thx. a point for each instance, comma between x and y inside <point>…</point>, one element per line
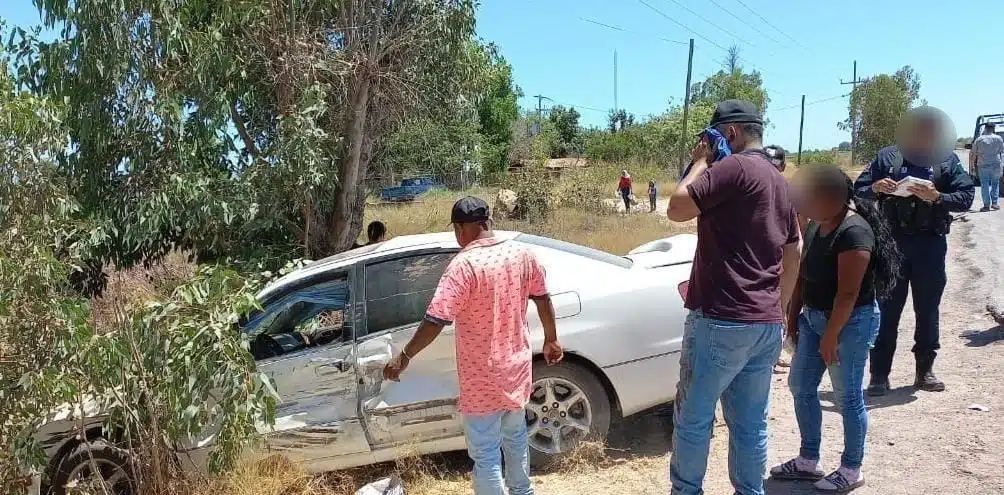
<point>798,469</point>
<point>842,480</point>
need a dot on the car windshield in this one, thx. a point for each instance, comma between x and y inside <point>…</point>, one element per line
<point>576,249</point>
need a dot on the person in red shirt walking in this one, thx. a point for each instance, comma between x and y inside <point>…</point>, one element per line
<point>484,291</point>
<point>624,188</point>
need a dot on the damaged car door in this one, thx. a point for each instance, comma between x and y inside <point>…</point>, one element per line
<point>303,341</point>
<point>423,405</point>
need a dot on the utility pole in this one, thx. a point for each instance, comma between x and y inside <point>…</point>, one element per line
<point>854,123</point>
<point>616,108</point>
<point>540,114</point>
<point>686,106</point>
<point>540,105</point>
<point>801,126</point>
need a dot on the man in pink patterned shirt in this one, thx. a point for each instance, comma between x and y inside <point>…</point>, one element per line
<point>484,291</point>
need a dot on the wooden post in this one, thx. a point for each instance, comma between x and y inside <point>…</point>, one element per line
<point>686,108</point>
<point>801,127</point>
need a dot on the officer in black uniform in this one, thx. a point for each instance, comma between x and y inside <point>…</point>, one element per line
<point>920,223</point>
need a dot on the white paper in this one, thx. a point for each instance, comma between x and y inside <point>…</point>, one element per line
<point>903,185</point>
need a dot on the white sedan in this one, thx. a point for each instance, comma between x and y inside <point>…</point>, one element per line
<point>326,331</point>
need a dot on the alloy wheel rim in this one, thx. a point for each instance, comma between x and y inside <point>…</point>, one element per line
<point>558,416</point>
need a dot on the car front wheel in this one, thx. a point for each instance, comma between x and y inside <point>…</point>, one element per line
<point>91,464</point>
<point>568,405</point>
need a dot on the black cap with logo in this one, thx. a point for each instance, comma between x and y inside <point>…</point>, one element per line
<point>469,210</point>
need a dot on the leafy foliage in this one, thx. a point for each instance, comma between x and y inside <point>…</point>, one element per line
<point>817,157</point>
<point>876,107</point>
<point>429,147</point>
<point>657,141</point>
<point>200,125</point>
<point>169,371</point>
<point>618,120</point>
<point>498,109</point>
<point>38,307</point>
<point>732,83</point>
<point>569,136</point>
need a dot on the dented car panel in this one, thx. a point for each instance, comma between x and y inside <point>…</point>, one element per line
<point>423,405</point>
<point>317,415</point>
<point>326,331</point>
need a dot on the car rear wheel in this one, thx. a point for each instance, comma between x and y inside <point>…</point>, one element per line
<point>90,464</point>
<point>568,405</point>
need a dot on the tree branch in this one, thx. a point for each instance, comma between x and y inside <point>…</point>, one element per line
<point>242,129</point>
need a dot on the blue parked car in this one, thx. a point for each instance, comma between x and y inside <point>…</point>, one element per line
<point>410,189</point>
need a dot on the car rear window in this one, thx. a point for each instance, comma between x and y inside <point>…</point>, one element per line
<point>586,252</point>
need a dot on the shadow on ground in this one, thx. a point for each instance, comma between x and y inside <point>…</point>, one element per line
<point>779,487</point>
<point>982,338</point>
<point>645,434</point>
<point>896,397</point>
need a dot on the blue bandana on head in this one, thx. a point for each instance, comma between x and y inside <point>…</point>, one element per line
<point>718,143</point>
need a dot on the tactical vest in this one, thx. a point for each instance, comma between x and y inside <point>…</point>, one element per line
<point>912,215</point>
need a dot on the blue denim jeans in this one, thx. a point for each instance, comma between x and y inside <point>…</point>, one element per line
<point>491,436</point>
<point>733,362</point>
<point>847,376</point>
<point>990,183</point>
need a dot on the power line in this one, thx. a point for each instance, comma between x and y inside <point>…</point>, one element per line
<point>747,7</point>
<point>699,35</point>
<point>742,21</point>
<point>618,28</point>
<point>813,102</point>
<point>684,26</point>
<point>713,24</point>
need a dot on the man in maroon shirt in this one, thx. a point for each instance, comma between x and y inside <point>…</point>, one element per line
<point>743,273</point>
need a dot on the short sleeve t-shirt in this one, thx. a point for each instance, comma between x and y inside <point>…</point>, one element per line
<point>819,262</point>
<point>989,148</point>
<point>746,217</point>
<point>485,291</point>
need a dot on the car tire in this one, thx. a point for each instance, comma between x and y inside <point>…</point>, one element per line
<point>595,395</point>
<point>113,463</point>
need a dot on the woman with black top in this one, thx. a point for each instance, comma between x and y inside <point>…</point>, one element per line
<point>849,261</point>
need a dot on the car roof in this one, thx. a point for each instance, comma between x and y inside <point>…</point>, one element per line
<point>399,244</point>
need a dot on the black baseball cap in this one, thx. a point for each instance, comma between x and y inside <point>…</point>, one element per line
<point>735,112</point>
<point>469,210</point>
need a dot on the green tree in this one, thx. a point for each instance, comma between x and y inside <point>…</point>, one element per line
<point>245,129</point>
<point>425,146</point>
<point>876,107</point>
<point>844,146</point>
<point>618,120</point>
<point>498,109</point>
<point>659,140</point>
<point>732,82</point>
<point>171,370</point>
<point>566,123</point>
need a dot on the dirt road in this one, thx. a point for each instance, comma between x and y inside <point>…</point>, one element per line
<point>918,443</point>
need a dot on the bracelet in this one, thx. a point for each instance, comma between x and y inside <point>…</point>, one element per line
<point>405,354</point>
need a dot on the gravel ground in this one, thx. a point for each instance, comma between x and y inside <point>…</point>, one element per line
<point>918,442</point>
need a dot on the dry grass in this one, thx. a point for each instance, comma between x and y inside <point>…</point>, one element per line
<point>447,474</point>
<point>138,285</point>
<point>604,230</point>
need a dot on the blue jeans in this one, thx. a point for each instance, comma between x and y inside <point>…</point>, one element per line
<point>491,436</point>
<point>733,362</point>
<point>847,376</point>
<point>990,183</point>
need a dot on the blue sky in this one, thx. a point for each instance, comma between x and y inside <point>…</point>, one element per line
<point>556,53</point>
